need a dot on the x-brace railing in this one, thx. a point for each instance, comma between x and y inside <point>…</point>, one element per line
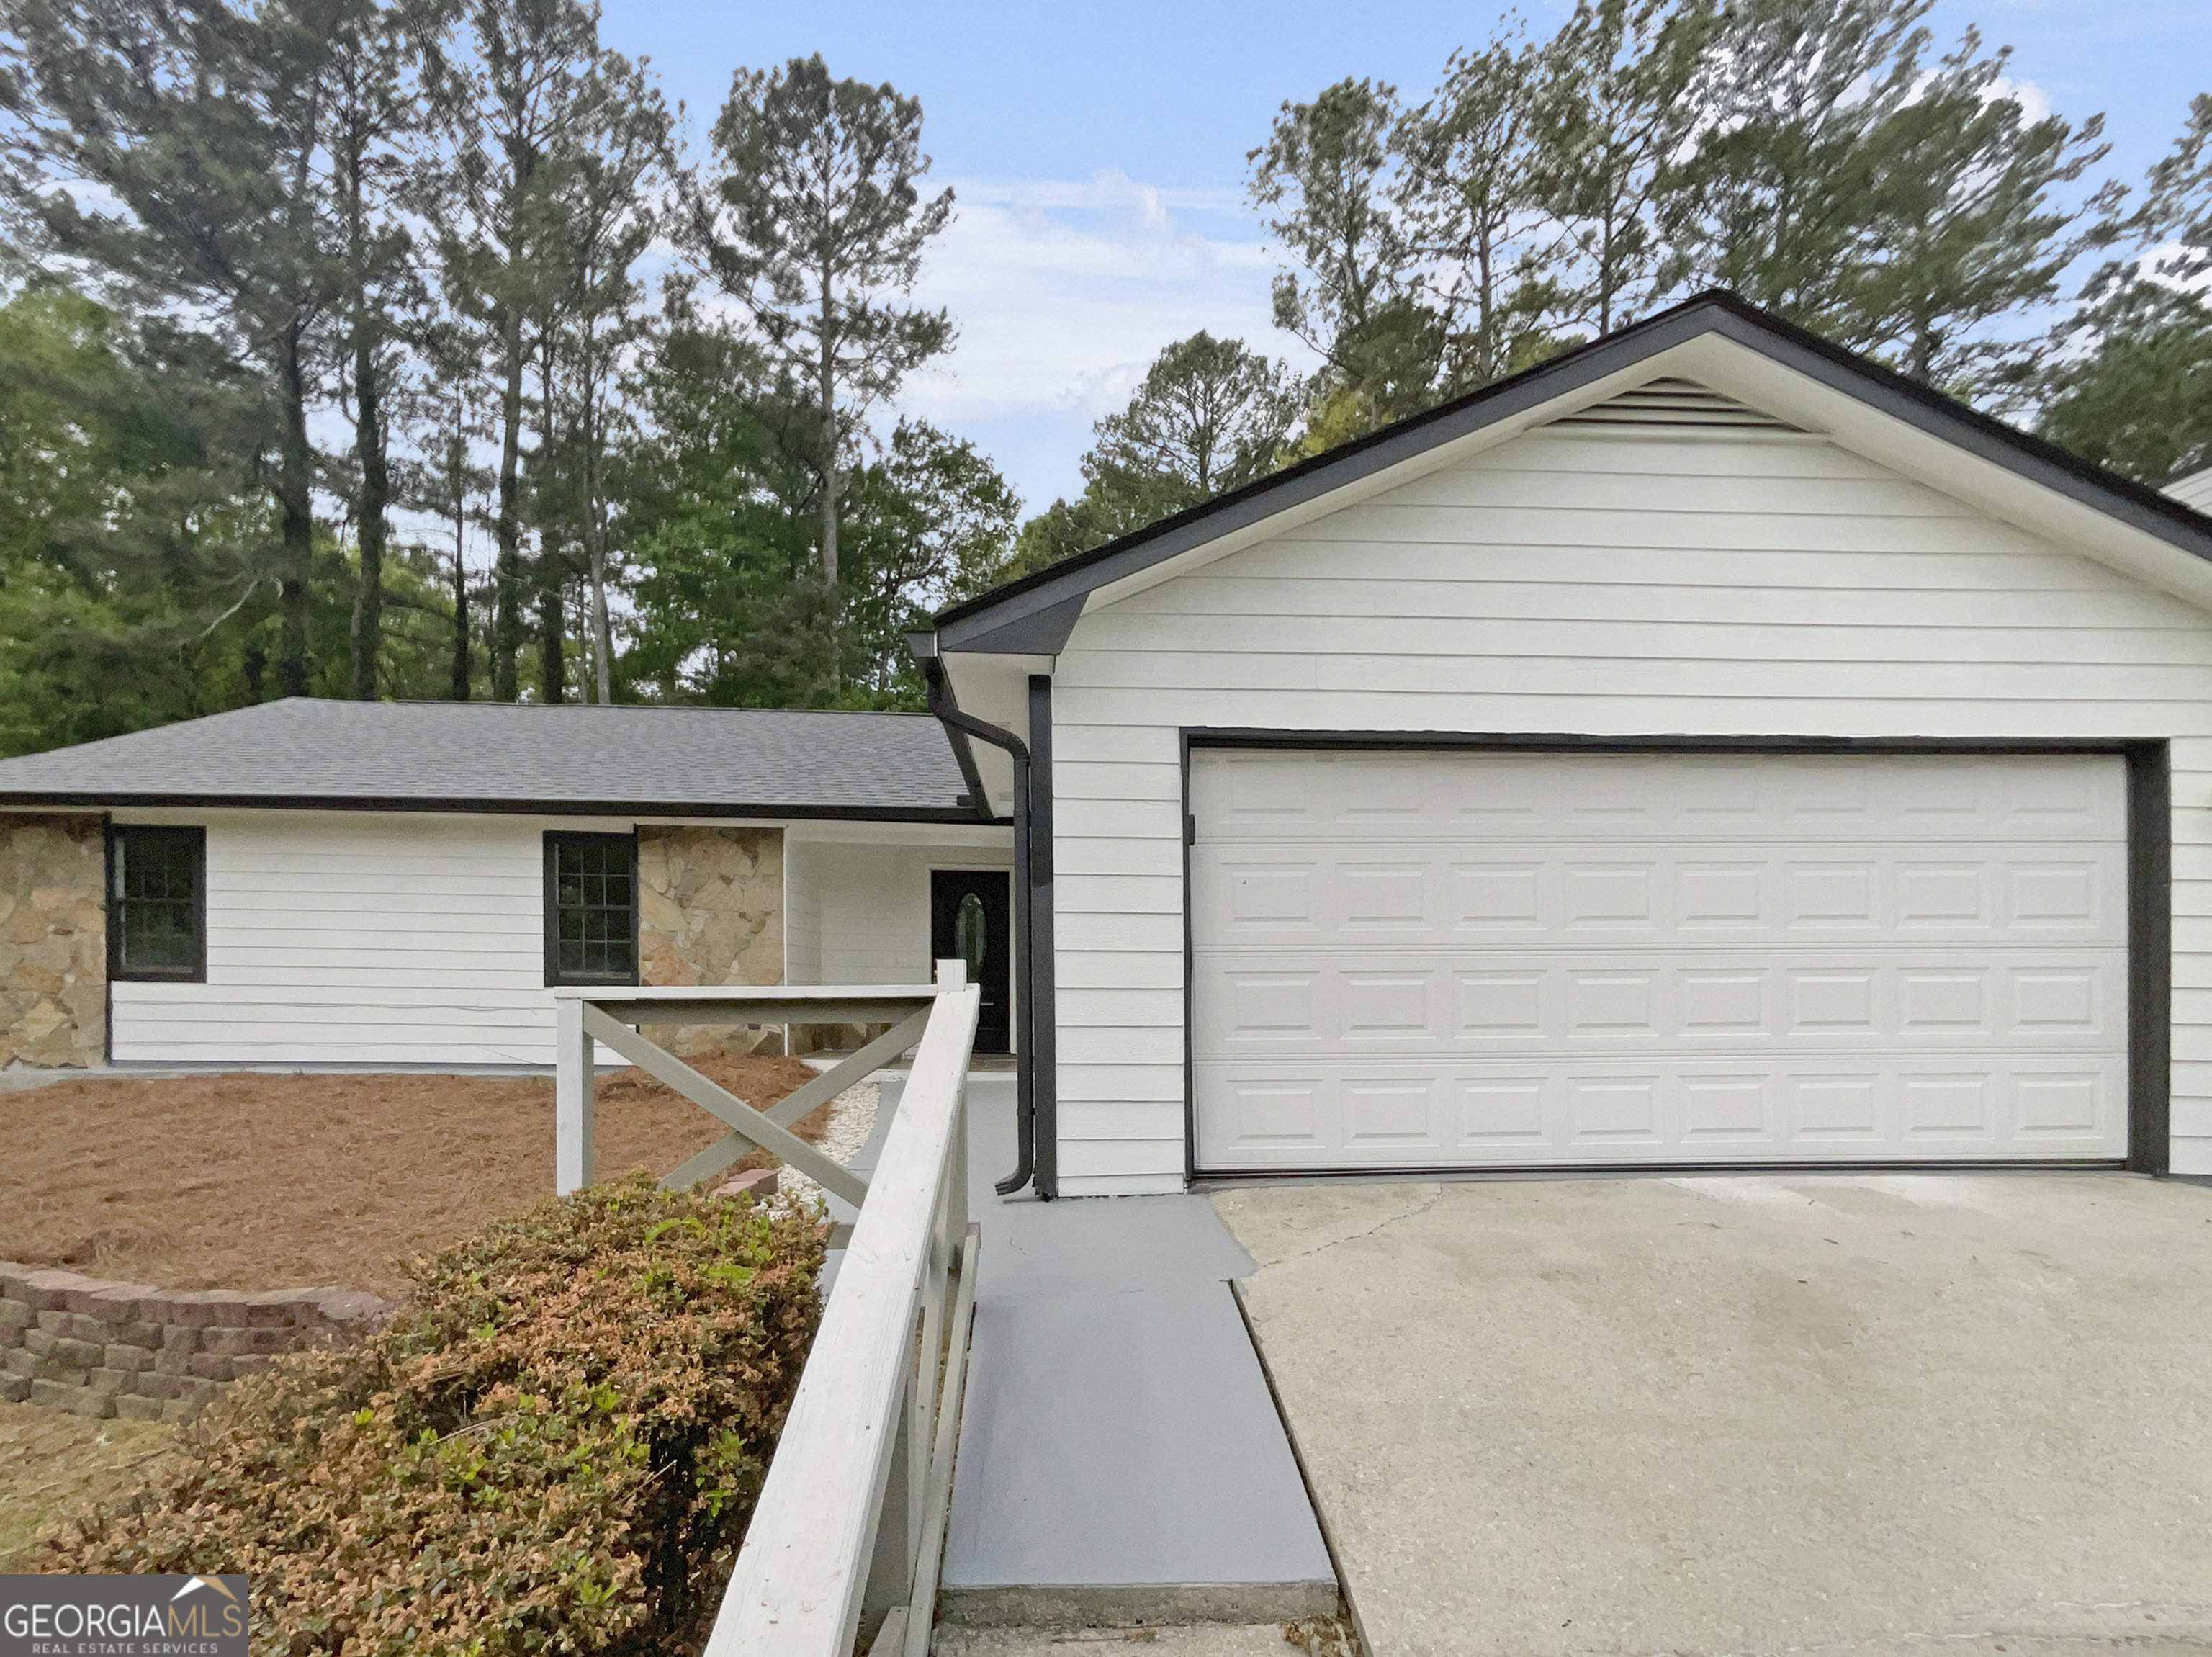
<point>609,1018</point>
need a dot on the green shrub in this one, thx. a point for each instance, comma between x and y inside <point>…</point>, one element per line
<point>553,1448</point>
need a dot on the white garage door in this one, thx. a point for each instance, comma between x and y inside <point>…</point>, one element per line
<point>1461,959</point>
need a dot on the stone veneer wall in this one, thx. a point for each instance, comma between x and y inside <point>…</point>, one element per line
<point>53,940</point>
<point>710,911</point>
<point>106,1348</point>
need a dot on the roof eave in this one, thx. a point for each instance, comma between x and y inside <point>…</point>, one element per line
<point>22,800</point>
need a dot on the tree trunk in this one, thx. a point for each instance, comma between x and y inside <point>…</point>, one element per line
<point>552,631</point>
<point>295,482</point>
<point>1604,269</point>
<point>828,342</point>
<point>374,489</point>
<point>829,393</point>
<point>507,569</point>
<point>457,457</point>
<point>552,566</point>
<point>1923,360</point>
<point>602,633</point>
<point>368,511</point>
<point>595,545</point>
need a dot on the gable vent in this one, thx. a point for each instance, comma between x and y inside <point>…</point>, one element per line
<point>1673,404</point>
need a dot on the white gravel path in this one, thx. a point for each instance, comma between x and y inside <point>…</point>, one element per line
<point>852,1119</point>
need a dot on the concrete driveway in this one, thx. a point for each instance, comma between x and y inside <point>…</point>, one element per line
<point>1828,1415</point>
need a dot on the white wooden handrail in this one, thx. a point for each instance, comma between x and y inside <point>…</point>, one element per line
<point>845,1536</point>
<point>850,1533</point>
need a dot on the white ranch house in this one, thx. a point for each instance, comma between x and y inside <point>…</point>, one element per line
<point>369,885</point>
<point>1706,749</point>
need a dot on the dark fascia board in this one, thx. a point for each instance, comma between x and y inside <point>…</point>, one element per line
<point>1308,741</point>
<point>109,801</point>
<point>1035,614</point>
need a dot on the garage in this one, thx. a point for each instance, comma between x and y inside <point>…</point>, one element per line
<point>1703,749</point>
<point>1408,958</point>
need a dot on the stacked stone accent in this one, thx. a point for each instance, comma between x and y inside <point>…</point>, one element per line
<point>106,1348</point>
<point>53,940</point>
<point>710,911</point>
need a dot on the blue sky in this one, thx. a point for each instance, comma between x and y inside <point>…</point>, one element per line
<point>1097,153</point>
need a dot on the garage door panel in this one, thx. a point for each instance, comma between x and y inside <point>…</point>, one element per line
<point>1407,1115</point>
<point>1803,798</point>
<point>1936,1001</point>
<point>1336,892</point>
<point>1476,959</point>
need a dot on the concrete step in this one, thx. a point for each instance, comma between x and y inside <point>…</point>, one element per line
<point>1190,1640</point>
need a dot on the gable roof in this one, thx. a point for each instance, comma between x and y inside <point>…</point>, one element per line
<point>582,760</point>
<point>1035,614</point>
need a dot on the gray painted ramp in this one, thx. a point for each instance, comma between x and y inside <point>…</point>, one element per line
<point>1120,1453</point>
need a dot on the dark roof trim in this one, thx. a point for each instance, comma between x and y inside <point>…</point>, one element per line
<point>19,799</point>
<point>2036,458</point>
<point>1035,614</point>
<point>923,645</point>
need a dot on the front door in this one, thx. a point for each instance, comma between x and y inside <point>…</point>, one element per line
<point>967,919</point>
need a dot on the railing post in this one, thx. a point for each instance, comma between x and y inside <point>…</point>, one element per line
<point>956,1199</point>
<point>890,1566</point>
<point>953,975</point>
<point>572,1096</point>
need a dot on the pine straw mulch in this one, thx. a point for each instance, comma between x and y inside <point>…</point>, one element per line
<point>255,1181</point>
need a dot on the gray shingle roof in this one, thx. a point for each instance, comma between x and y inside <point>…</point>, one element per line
<point>485,756</point>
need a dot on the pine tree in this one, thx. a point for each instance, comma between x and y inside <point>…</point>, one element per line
<point>607,201</point>
<point>1961,227</point>
<point>199,130</point>
<point>502,109</point>
<point>371,90</point>
<point>812,218</point>
<point>1610,134</point>
<point>1474,204</point>
<point>1325,177</point>
<point>2130,384</point>
<point>1211,415</point>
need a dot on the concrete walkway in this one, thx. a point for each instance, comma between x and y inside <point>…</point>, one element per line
<point>1121,1458</point>
<point>1835,1414</point>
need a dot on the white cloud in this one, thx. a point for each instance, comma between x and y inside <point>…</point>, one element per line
<point>1064,292</point>
<point>2034,102</point>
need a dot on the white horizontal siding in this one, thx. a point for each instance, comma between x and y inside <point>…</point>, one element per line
<point>1719,586</point>
<point>357,938</point>
<point>343,938</point>
<point>874,903</point>
<point>802,914</point>
<point>2194,490</point>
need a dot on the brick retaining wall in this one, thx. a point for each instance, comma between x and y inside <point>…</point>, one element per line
<point>104,1349</point>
